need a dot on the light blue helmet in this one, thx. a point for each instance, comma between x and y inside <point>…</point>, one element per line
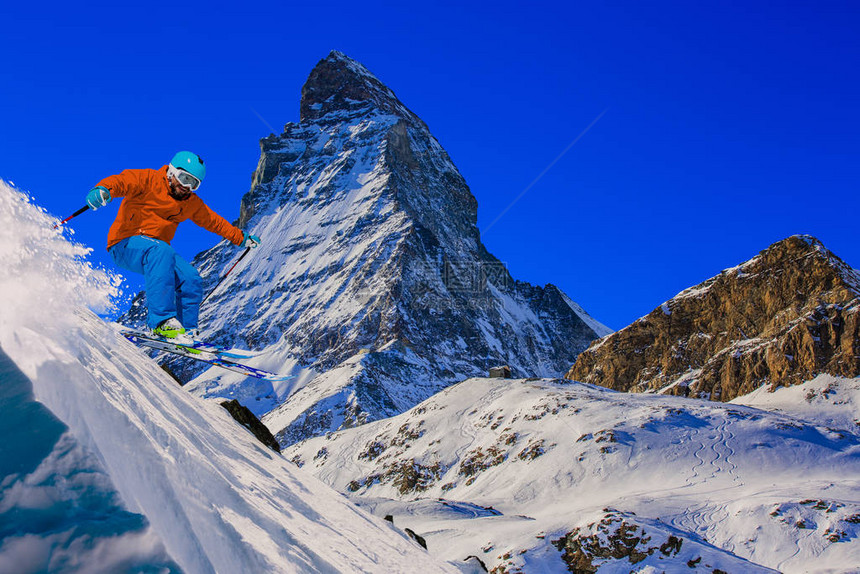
<point>190,162</point>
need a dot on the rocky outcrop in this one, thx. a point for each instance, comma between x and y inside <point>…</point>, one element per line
<point>781,318</point>
<point>246,418</point>
<point>613,539</point>
<point>625,542</point>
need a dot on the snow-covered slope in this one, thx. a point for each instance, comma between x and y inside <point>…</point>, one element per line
<point>538,475</point>
<point>109,466</point>
<point>826,400</point>
<point>372,283</point>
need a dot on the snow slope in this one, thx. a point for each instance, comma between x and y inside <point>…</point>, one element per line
<point>108,465</point>
<point>828,400</point>
<point>518,472</point>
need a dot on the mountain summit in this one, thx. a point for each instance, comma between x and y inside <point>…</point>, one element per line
<point>340,85</point>
<point>372,284</point>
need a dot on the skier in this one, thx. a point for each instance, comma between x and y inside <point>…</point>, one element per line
<point>156,201</point>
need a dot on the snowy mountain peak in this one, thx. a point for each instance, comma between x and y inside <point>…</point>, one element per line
<point>372,283</point>
<point>339,86</point>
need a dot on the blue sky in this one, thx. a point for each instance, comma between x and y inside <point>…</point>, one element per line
<point>726,126</point>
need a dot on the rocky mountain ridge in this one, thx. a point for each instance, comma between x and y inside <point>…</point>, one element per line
<point>779,319</point>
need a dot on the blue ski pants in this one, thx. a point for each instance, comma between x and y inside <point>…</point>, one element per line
<point>173,286</point>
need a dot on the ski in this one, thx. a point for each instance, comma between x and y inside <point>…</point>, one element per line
<point>199,354</point>
<point>192,347</point>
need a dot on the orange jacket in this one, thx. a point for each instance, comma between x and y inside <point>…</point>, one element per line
<point>147,208</point>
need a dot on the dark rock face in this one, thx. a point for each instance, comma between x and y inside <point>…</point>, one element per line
<point>780,319</point>
<point>417,538</point>
<point>340,85</point>
<point>247,419</point>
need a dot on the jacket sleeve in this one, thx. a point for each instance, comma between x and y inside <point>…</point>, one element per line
<point>127,183</point>
<point>211,221</point>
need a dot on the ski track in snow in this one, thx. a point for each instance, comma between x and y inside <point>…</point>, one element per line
<point>713,457</point>
<point>781,565</point>
<point>468,432</point>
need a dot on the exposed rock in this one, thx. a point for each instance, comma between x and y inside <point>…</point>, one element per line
<point>781,318</point>
<point>621,540</point>
<point>338,84</point>
<point>407,476</point>
<point>479,460</point>
<point>416,537</point>
<point>614,538</point>
<point>246,418</point>
<point>534,449</point>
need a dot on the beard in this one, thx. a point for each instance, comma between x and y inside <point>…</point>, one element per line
<point>177,192</point>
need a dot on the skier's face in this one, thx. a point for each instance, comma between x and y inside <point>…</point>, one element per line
<point>177,190</point>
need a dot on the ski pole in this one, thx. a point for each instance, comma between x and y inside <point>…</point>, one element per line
<point>244,253</point>
<point>75,214</point>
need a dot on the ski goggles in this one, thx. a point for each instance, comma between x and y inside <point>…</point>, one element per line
<point>183,177</point>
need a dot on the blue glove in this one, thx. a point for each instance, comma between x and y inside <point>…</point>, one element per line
<point>251,241</point>
<point>98,197</point>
